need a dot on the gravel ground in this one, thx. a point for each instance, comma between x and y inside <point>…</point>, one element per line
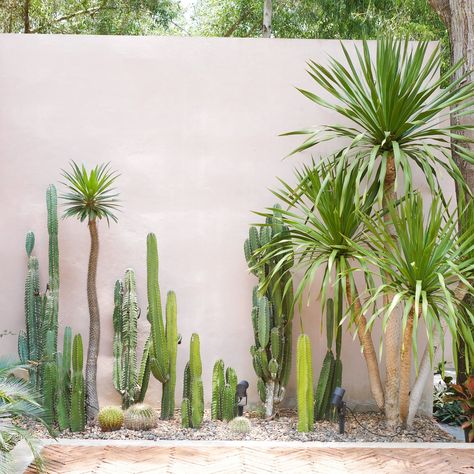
<point>282,428</point>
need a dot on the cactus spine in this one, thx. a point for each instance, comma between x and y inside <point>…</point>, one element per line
<point>272,313</point>
<point>304,381</point>
<point>192,407</point>
<point>78,408</point>
<point>224,392</point>
<point>331,370</point>
<point>164,340</point>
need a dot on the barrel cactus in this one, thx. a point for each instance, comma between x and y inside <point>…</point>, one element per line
<point>140,417</point>
<point>240,424</point>
<point>272,313</point>
<point>164,338</point>
<point>110,418</point>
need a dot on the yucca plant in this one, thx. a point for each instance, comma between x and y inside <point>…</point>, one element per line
<point>393,101</point>
<point>425,260</point>
<point>321,216</point>
<point>18,399</point>
<point>90,196</point>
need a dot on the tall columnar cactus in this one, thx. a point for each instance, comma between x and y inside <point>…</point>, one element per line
<point>192,408</point>
<point>49,378</point>
<point>272,313</point>
<point>63,385</point>
<point>331,370</point>
<point>164,339</point>
<point>78,406</point>
<point>224,392</point>
<point>41,310</point>
<point>304,381</point>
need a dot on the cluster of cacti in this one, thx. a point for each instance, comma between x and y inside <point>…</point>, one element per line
<point>224,392</point>
<point>272,313</point>
<point>77,419</point>
<point>110,418</point>
<point>192,407</point>
<point>128,381</point>
<point>139,417</point>
<point>240,424</point>
<point>330,376</point>
<point>163,347</point>
<point>41,310</point>
<point>304,384</point>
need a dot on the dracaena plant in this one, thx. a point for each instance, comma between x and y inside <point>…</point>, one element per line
<point>90,196</point>
<point>321,215</point>
<point>391,102</point>
<point>424,264</point>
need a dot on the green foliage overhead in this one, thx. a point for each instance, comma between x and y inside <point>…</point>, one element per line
<point>90,195</point>
<point>99,17</point>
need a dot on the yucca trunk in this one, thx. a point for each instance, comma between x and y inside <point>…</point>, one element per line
<point>92,402</point>
<point>405,368</point>
<point>392,331</point>
<point>365,339</point>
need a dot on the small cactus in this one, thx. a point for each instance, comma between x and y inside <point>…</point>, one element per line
<point>110,418</point>
<point>224,387</point>
<point>140,417</point>
<point>240,424</point>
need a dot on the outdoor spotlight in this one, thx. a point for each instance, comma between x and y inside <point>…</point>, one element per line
<point>242,396</point>
<point>340,404</point>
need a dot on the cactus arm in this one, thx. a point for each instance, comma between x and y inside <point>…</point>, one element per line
<point>304,384</point>
<point>144,374</point>
<point>78,409</point>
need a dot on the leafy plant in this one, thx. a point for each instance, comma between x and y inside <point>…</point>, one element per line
<point>90,196</point>
<point>18,399</point>
<point>464,394</point>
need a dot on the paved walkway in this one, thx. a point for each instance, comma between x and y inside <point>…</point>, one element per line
<point>255,458</point>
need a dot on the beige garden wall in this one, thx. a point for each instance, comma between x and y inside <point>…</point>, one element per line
<point>192,125</point>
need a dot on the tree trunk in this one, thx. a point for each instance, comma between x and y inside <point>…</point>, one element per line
<point>267,19</point>
<point>365,339</point>
<point>458,16</point>
<point>405,368</point>
<point>92,402</point>
<point>392,331</point>
<point>26,16</point>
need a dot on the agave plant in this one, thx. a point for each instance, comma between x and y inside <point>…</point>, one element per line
<point>90,196</point>
<point>322,215</point>
<point>423,265</point>
<point>17,400</point>
<point>393,102</point>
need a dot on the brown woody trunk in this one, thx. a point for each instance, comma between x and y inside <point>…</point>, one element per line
<point>365,339</point>
<point>392,331</point>
<point>458,16</point>
<point>405,368</point>
<point>92,401</point>
<point>267,19</point>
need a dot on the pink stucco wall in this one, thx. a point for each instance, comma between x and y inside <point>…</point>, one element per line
<point>192,125</point>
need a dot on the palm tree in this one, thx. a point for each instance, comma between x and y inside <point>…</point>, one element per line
<point>394,102</point>
<point>17,400</point>
<point>425,262</point>
<point>321,216</point>
<point>90,196</point>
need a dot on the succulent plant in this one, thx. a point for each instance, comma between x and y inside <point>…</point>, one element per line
<point>192,407</point>
<point>304,384</point>
<point>78,406</point>
<point>272,313</point>
<point>163,348</point>
<point>110,418</point>
<point>224,396</point>
<point>140,417</point>
<point>240,424</point>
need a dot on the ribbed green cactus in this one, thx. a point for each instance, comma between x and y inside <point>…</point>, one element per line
<point>49,379</point>
<point>304,384</point>
<point>139,417</point>
<point>224,392</point>
<point>110,418</point>
<point>41,311</point>
<point>192,407</point>
<point>78,408</point>
<point>63,381</point>
<point>164,340</point>
<point>272,314</point>
<point>331,370</point>
<point>240,425</point>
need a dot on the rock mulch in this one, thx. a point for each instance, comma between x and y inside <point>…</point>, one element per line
<point>281,428</point>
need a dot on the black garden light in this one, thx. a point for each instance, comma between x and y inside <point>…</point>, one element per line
<point>340,404</point>
<point>242,396</point>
